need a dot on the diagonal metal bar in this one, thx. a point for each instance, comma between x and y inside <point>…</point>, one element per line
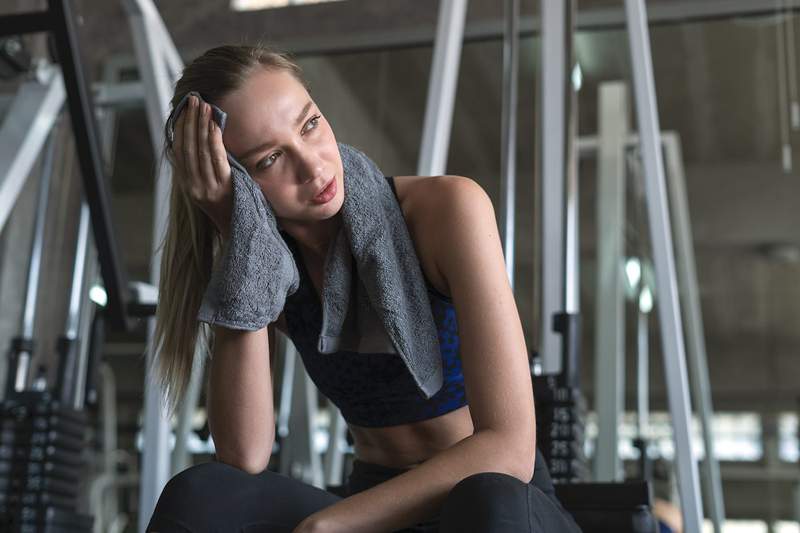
<point>87,144</point>
<point>670,319</point>
<point>30,119</point>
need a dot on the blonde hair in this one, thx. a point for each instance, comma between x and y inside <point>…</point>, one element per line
<point>191,242</point>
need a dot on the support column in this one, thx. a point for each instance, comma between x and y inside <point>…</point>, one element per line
<point>663,251</point>
<point>610,300</point>
<point>552,135</point>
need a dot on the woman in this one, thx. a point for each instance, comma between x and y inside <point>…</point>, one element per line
<point>438,464</point>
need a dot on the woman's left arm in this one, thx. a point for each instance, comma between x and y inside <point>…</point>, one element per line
<point>495,367</point>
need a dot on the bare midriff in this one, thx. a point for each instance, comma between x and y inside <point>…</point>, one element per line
<point>408,445</point>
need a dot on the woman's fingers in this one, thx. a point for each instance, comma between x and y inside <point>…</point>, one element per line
<point>202,163</point>
<point>204,152</point>
<point>191,166</point>
<point>219,158</point>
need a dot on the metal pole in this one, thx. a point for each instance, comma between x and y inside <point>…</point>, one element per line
<point>30,119</point>
<point>610,286</point>
<point>667,289</point>
<point>35,266</point>
<point>38,235</point>
<point>334,457</point>
<point>552,137</point>
<point>690,306</point>
<point>180,455</point>
<point>69,343</point>
<point>108,409</point>
<point>508,144</point>
<point>572,276</point>
<point>87,146</point>
<point>150,42</point>
<point>442,88</point>
<point>784,111</point>
<point>642,375</point>
<point>299,458</point>
<point>287,385</point>
<point>87,312</point>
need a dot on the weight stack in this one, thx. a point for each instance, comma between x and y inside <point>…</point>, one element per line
<point>41,444</point>
<point>560,435</point>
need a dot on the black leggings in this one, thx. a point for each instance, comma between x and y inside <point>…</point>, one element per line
<point>215,497</point>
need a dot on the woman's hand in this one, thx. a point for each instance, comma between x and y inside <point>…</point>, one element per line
<point>319,522</point>
<point>202,169</point>
<point>312,524</point>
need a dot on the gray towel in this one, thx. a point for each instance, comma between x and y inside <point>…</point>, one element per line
<point>257,272</point>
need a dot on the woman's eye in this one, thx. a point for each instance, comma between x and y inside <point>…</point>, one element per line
<point>267,161</point>
<point>313,122</point>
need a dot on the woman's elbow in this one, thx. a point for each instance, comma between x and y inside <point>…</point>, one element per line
<point>518,456</point>
<point>527,465</point>
<point>251,461</point>
<point>522,461</point>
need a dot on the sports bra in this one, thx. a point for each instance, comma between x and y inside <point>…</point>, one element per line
<point>373,389</point>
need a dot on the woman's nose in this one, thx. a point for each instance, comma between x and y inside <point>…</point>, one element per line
<point>311,167</point>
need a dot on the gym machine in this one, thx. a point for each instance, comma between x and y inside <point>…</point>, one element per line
<point>609,367</point>
<point>44,428</point>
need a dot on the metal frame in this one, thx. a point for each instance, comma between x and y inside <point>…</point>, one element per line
<point>299,458</point>
<point>690,307</point>
<point>662,12</point>
<point>58,19</point>
<point>30,119</point>
<point>333,462</point>
<point>442,88</point>
<point>508,127</point>
<point>19,363</point>
<point>572,274</point>
<point>642,374</point>
<point>553,172</point>
<point>180,458</point>
<point>696,351</point>
<point>666,281</point>
<point>159,65</point>
<point>68,346</point>
<point>610,302</point>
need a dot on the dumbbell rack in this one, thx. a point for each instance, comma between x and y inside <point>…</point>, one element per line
<point>561,408</point>
<point>560,415</point>
<point>41,458</point>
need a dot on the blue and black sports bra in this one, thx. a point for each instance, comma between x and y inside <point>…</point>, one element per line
<point>373,389</point>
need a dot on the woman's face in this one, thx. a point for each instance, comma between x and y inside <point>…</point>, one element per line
<point>276,131</point>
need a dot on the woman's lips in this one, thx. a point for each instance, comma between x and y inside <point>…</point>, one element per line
<point>327,194</point>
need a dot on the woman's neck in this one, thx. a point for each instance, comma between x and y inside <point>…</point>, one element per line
<point>314,238</point>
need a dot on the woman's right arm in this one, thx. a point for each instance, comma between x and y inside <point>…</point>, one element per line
<point>240,411</point>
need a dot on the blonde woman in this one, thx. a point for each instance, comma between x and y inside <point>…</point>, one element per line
<point>464,459</point>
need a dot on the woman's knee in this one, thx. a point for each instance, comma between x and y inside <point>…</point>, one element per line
<point>189,493</point>
<point>479,499</point>
<point>216,497</point>
<point>485,486</point>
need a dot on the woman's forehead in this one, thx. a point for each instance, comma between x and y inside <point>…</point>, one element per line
<point>267,104</point>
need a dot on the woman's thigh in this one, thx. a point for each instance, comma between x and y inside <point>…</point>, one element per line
<point>216,497</point>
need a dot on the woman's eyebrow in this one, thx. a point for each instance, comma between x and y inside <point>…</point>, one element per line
<point>267,144</point>
<point>303,113</point>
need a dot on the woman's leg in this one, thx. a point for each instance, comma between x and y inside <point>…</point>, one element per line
<point>216,497</point>
<point>492,502</point>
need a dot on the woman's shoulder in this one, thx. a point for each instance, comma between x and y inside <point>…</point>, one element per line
<point>418,195</point>
<point>423,200</point>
